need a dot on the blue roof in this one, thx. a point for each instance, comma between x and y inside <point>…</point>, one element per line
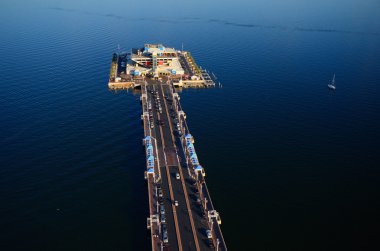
<point>150,158</point>
<point>149,147</point>
<point>148,140</point>
<point>198,168</point>
<point>194,161</point>
<point>150,170</point>
<point>188,136</point>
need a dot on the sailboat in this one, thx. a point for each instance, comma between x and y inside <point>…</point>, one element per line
<point>332,84</point>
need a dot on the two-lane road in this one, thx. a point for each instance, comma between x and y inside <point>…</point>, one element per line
<point>185,222</point>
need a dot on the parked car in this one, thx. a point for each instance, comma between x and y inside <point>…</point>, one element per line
<point>163,220</point>
<point>162,209</point>
<point>210,243</point>
<point>208,233</point>
<point>164,234</point>
<point>204,214</point>
<point>160,193</point>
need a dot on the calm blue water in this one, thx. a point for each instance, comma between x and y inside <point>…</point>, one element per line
<point>290,165</point>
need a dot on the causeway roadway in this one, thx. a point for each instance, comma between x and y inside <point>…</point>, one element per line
<point>189,222</point>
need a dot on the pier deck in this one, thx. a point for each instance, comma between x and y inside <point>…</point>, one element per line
<point>181,211</point>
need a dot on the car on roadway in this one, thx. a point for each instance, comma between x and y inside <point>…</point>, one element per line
<point>210,243</point>
<point>176,203</point>
<point>199,202</point>
<point>160,193</point>
<point>162,209</point>
<point>177,176</point>
<point>163,220</point>
<point>198,198</point>
<point>164,234</point>
<point>208,233</point>
<point>203,214</point>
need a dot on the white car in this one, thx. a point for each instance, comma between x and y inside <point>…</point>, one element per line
<point>176,203</point>
<point>162,209</point>
<point>163,220</point>
<point>165,235</point>
<point>177,176</point>
<point>208,233</point>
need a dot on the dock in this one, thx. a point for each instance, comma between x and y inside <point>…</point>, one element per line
<point>182,216</point>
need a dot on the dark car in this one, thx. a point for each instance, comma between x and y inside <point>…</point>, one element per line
<point>203,214</point>
<point>210,243</point>
<point>160,193</point>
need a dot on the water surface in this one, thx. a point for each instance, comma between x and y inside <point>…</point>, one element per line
<point>290,165</point>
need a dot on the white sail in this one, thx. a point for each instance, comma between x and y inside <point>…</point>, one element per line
<point>332,84</point>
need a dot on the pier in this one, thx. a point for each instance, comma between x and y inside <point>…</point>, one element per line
<point>176,180</point>
<point>181,213</point>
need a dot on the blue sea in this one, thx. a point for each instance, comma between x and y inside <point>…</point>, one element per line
<point>290,164</point>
